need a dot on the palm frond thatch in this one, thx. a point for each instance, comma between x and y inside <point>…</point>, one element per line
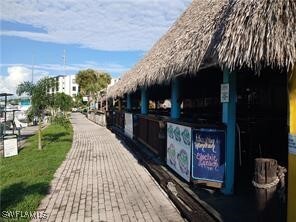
<point>259,33</point>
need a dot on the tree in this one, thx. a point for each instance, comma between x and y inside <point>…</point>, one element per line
<point>40,98</point>
<point>84,78</point>
<point>78,103</point>
<point>25,87</point>
<point>91,82</point>
<point>63,102</point>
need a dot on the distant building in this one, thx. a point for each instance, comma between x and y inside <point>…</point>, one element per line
<point>113,81</point>
<point>66,84</point>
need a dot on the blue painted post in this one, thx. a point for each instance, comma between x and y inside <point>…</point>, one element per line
<point>144,101</point>
<point>229,118</point>
<point>175,96</point>
<point>128,102</point>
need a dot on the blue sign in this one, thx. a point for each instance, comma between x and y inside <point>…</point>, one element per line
<point>292,144</point>
<point>208,154</point>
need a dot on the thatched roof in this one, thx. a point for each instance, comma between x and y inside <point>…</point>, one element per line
<point>120,87</point>
<point>238,33</point>
<point>259,33</point>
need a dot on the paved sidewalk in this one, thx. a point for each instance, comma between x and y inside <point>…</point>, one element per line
<point>100,180</point>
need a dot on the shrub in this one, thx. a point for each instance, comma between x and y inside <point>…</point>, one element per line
<point>62,120</point>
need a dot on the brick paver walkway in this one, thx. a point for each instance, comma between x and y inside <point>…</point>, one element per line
<point>100,180</point>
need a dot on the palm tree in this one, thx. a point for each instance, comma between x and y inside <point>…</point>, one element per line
<point>40,99</point>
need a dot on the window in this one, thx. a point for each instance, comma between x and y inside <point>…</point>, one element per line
<point>74,88</point>
<point>73,81</point>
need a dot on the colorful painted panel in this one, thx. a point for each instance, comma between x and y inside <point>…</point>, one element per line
<point>179,149</point>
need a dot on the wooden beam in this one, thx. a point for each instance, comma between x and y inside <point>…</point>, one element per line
<point>175,99</point>
<point>229,119</point>
<point>128,102</point>
<point>144,101</point>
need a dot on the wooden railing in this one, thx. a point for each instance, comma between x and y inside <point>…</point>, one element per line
<point>109,118</point>
<point>151,131</point>
<point>115,118</point>
<point>97,117</point>
<point>119,119</point>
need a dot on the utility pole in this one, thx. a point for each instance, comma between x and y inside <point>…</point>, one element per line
<point>32,68</point>
<point>64,58</point>
<point>64,61</point>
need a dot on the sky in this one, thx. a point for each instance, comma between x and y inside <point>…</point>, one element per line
<point>107,35</point>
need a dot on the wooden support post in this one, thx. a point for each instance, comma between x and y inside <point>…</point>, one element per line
<point>229,119</point>
<point>113,104</point>
<point>175,99</point>
<point>291,217</point>
<point>265,182</point>
<point>144,101</point>
<point>119,104</point>
<point>128,102</point>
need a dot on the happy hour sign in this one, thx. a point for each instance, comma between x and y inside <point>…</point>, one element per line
<point>208,161</point>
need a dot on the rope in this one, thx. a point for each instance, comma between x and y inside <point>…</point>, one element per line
<point>266,185</point>
<point>281,172</point>
<point>280,178</point>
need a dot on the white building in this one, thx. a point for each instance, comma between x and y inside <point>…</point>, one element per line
<point>66,84</point>
<point>113,81</point>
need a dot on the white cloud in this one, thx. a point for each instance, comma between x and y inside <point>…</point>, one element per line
<point>17,75</point>
<point>54,69</point>
<point>97,24</point>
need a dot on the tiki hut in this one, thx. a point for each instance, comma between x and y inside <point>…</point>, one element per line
<point>245,36</point>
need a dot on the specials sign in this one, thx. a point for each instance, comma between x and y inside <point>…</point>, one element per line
<point>224,95</point>
<point>179,149</point>
<point>10,147</point>
<point>128,126</point>
<point>208,154</point>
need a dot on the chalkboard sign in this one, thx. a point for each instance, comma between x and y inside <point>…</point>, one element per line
<point>208,155</point>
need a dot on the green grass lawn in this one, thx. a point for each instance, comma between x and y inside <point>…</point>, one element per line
<point>25,179</point>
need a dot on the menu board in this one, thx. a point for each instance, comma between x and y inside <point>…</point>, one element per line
<point>10,147</point>
<point>128,127</point>
<point>208,154</point>
<point>224,95</point>
<point>179,149</point>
